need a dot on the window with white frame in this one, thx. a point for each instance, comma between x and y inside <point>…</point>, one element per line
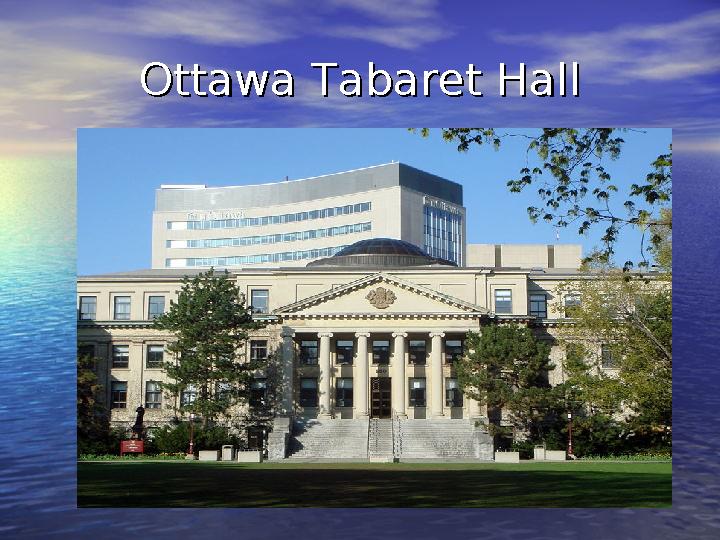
<point>260,300</point>
<point>122,308</point>
<point>120,356</point>
<point>153,395</point>
<point>503,301</point>
<point>156,306</point>
<point>154,356</point>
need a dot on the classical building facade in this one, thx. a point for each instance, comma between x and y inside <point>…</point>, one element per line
<point>366,288</point>
<point>371,331</point>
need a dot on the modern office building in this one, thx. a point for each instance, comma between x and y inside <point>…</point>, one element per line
<point>363,326</point>
<point>293,222</point>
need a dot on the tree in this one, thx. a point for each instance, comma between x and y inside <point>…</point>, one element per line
<point>210,324</point>
<point>93,426</point>
<point>505,367</point>
<point>567,166</point>
<point>628,319</point>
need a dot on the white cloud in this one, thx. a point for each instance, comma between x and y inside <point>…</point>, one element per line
<point>648,52</point>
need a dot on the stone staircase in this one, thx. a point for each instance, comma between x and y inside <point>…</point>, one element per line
<point>380,440</point>
<point>329,440</point>
<point>441,439</point>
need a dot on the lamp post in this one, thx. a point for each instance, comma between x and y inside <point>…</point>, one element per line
<point>191,451</point>
<point>569,447</point>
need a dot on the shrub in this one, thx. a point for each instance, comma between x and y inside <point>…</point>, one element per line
<point>176,439</point>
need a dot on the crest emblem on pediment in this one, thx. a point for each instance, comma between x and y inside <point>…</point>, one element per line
<point>381,297</point>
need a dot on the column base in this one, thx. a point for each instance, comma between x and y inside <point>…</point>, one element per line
<point>402,416</point>
<point>324,416</point>
<point>439,416</point>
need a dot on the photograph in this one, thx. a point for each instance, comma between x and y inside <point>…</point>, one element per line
<point>407,333</point>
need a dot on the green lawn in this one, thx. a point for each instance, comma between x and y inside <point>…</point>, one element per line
<point>201,484</point>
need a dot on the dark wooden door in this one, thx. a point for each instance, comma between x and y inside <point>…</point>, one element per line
<point>380,406</point>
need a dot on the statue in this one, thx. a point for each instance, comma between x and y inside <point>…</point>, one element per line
<point>137,429</point>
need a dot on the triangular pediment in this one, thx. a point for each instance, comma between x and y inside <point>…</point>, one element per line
<point>381,295</point>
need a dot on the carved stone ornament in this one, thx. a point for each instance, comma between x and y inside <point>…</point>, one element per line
<point>381,297</point>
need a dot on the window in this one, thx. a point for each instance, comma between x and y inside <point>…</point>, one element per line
<point>258,393</point>
<point>572,303</point>
<point>417,392</point>
<point>309,352</point>
<point>606,354</point>
<point>453,395</point>
<point>381,352</point>
<point>308,392</point>
<point>344,392</point>
<point>189,395</point>
<point>88,308</point>
<point>156,306</point>
<point>118,394</point>
<point>538,305</point>
<point>122,308</point>
<point>503,301</point>
<point>120,356</point>
<point>260,300</point>
<point>258,350</point>
<point>344,350</point>
<point>223,390</point>
<point>154,356</point>
<point>418,351</point>
<point>153,395</point>
<point>453,350</point>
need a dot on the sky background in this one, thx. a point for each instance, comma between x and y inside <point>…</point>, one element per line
<point>72,65</point>
<point>66,65</point>
<point>119,170</point>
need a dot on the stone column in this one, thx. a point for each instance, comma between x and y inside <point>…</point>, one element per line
<point>360,383</point>
<point>287,373</point>
<point>473,408</point>
<point>324,364</point>
<point>399,383</point>
<point>436,374</point>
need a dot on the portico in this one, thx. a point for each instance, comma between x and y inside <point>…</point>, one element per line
<point>352,342</point>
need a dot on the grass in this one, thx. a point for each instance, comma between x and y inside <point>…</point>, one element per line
<point>408,485</point>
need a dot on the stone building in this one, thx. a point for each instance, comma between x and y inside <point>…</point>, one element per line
<point>367,288</point>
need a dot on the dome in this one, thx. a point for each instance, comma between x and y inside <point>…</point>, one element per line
<point>383,252</point>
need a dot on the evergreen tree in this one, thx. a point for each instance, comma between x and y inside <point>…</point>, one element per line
<point>505,368</point>
<point>93,426</point>
<point>210,324</point>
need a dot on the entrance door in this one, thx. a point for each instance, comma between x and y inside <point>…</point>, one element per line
<point>380,397</point>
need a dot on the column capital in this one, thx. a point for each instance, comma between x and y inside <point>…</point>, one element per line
<point>437,334</point>
<point>325,334</point>
<point>399,334</point>
<point>288,333</point>
<point>362,334</point>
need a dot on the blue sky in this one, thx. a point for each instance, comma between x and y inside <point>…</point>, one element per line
<point>71,65</point>
<point>119,169</point>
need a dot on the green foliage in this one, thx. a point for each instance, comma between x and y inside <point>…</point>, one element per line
<point>567,166</point>
<point>505,367</point>
<point>176,439</point>
<point>209,322</point>
<point>632,316</point>
<point>598,434</point>
<point>93,425</point>
<point>132,457</point>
